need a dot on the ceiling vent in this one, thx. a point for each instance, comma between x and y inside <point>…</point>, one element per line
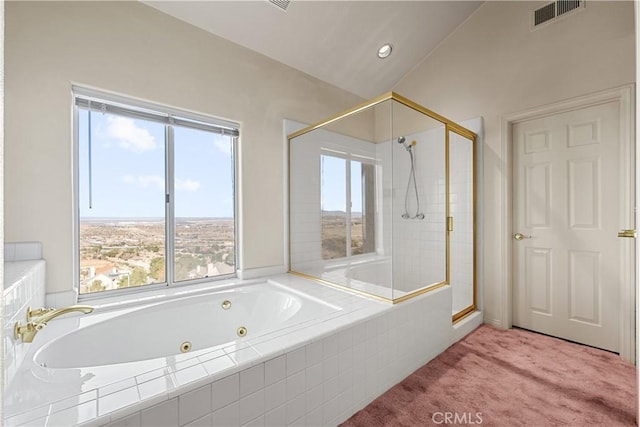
<point>554,10</point>
<point>281,4</point>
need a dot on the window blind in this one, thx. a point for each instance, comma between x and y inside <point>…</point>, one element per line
<point>167,118</point>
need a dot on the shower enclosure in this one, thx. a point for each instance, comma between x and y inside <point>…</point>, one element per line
<point>382,202</point>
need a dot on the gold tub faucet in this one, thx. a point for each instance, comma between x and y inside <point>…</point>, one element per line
<point>37,319</point>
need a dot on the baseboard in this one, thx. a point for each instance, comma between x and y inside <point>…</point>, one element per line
<point>254,273</point>
<point>466,326</point>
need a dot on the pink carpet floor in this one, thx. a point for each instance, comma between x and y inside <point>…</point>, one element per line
<point>510,378</point>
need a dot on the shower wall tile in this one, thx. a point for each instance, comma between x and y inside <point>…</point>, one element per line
<point>24,286</point>
<point>22,251</point>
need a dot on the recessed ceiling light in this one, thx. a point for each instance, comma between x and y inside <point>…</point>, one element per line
<point>385,51</point>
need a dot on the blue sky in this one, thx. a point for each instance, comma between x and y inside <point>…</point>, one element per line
<point>334,192</point>
<point>128,158</point>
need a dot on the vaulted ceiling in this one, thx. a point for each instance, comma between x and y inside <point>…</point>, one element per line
<point>335,41</point>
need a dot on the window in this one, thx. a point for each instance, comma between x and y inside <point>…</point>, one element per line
<point>347,206</point>
<point>156,195</point>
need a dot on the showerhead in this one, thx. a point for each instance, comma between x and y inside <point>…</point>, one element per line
<point>402,140</point>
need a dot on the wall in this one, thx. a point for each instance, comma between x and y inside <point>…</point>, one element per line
<point>132,49</point>
<point>494,65</point>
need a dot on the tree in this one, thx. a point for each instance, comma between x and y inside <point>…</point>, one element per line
<point>157,269</point>
<point>231,257</point>
<point>124,281</point>
<point>138,276</point>
<point>97,286</point>
<point>184,265</point>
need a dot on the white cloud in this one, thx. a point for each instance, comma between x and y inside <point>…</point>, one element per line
<point>223,146</point>
<point>129,136</point>
<point>186,185</point>
<point>145,181</point>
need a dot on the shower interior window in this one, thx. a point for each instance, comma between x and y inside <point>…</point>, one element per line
<point>347,206</point>
<point>155,196</point>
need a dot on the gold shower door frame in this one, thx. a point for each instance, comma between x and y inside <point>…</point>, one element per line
<point>450,126</point>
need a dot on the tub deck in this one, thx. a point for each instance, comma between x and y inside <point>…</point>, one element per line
<point>100,394</point>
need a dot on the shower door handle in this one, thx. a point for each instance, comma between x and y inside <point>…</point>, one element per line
<point>520,236</point>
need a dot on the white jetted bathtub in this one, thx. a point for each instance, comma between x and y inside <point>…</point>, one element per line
<point>185,327</point>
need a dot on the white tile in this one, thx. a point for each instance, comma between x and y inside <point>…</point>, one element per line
<point>346,380</point>
<point>162,415</point>
<point>314,375</point>
<point>156,387</point>
<point>118,400</point>
<point>296,361</point>
<point>314,353</point>
<point>73,401</point>
<point>205,421</point>
<point>275,370</point>
<point>189,375</point>
<point>314,398</point>
<point>276,417</point>
<point>345,402</point>
<point>345,339</point>
<point>330,367</point>
<point>227,416</point>
<point>243,355</point>
<point>275,395</point>
<point>256,422</point>
<point>330,346</point>
<point>296,408</point>
<point>331,388</point>
<point>225,391</point>
<point>251,380</point>
<point>74,415</point>
<point>27,251</point>
<point>345,360</point>
<point>296,384</point>
<point>150,375</point>
<point>219,364</point>
<point>330,411</point>
<point>40,422</point>
<point>251,406</point>
<point>195,404</point>
<point>314,418</point>
<point>9,252</point>
<point>120,385</point>
<point>130,421</point>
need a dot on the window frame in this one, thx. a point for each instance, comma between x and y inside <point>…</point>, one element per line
<point>184,117</point>
<point>348,158</point>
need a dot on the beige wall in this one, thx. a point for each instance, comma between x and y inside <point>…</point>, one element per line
<point>132,49</point>
<point>494,65</point>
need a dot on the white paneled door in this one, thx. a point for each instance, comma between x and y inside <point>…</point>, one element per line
<point>568,201</point>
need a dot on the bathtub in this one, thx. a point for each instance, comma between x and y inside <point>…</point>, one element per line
<point>183,328</point>
<point>312,355</point>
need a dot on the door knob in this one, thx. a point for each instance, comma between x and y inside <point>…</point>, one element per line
<point>627,233</point>
<point>520,236</point>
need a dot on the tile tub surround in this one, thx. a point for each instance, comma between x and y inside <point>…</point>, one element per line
<point>315,373</point>
<point>24,286</point>
<point>22,251</point>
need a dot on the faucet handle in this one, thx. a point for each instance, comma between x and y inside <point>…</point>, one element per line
<point>27,331</point>
<point>33,313</point>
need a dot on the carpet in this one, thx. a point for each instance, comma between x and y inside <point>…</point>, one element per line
<point>513,377</point>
